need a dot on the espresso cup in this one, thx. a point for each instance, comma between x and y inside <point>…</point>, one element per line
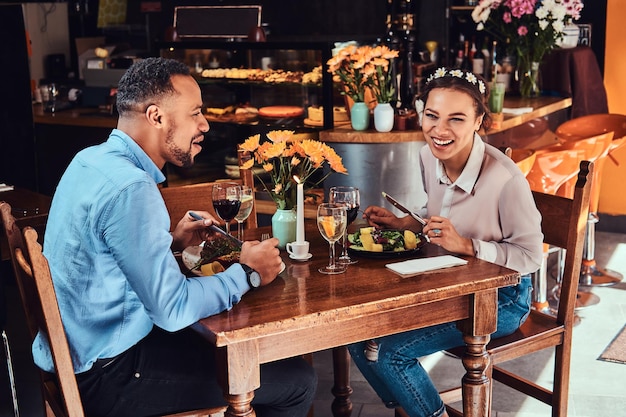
<point>298,250</point>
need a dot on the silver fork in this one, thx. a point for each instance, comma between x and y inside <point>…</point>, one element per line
<point>264,236</point>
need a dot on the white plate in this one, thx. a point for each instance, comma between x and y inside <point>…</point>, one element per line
<point>191,256</point>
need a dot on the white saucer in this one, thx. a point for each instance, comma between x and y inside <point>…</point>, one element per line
<point>306,258</point>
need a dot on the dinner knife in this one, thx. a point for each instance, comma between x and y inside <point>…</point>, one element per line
<point>403,209</point>
<point>216,229</point>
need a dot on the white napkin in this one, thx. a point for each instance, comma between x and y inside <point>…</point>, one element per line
<point>4,187</point>
<point>415,266</point>
<point>517,111</point>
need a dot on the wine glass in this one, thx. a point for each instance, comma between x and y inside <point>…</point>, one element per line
<point>350,198</point>
<point>226,201</point>
<point>247,200</point>
<point>331,222</point>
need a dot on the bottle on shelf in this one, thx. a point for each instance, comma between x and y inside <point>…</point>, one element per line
<point>465,62</point>
<point>494,62</point>
<point>486,58</point>
<point>478,61</point>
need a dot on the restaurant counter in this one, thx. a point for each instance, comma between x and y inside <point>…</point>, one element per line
<point>383,161</point>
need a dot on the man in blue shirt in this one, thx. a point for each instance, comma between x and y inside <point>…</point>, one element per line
<point>125,304</point>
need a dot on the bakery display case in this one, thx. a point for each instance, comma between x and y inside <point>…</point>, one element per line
<point>255,87</point>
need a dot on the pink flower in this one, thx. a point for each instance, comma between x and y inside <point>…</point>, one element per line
<point>522,30</point>
<point>521,7</point>
<point>506,16</point>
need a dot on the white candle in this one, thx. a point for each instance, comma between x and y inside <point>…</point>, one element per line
<point>300,212</point>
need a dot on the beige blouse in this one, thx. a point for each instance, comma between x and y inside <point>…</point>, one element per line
<point>491,203</point>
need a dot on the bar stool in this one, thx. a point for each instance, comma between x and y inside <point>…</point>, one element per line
<point>575,129</point>
<point>551,169</point>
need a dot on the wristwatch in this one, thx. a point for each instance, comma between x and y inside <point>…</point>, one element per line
<point>254,278</point>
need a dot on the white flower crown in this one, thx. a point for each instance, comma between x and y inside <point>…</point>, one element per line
<point>468,76</point>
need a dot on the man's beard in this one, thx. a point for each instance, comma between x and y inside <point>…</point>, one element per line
<point>181,157</point>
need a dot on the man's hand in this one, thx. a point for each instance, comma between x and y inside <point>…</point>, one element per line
<point>264,257</point>
<point>190,231</point>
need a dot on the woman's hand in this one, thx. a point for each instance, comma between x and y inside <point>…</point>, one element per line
<point>263,257</point>
<point>190,231</point>
<point>441,232</point>
<point>381,218</point>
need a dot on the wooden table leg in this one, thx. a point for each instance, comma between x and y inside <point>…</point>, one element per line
<point>341,406</point>
<point>239,374</point>
<point>476,334</point>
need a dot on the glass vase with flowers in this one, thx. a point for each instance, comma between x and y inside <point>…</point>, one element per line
<point>284,155</point>
<point>532,29</point>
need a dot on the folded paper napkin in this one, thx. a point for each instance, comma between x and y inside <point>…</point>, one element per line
<point>4,187</point>
<point>415,266</point>
<point>517,111</point>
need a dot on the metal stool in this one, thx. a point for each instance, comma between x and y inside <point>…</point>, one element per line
<point>575,129</point>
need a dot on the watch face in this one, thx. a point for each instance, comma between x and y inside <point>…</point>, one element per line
<point>255,279</point>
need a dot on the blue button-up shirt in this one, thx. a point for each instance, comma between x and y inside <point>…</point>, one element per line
<point>108,245</point>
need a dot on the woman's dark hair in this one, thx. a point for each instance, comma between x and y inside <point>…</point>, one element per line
<point>454,82</point>
<point>147,81</point>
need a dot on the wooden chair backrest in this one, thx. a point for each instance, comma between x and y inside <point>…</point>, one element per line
<point>15,240</point>
<point>60,392</point>
<point>564,222</point>
<point>180,199</point>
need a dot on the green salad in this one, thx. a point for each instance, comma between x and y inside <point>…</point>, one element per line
<point>391,240</point>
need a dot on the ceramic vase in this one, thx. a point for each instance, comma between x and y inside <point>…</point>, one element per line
<point>528,77</point>
<point>284,226</point>
<point>383,117</point>
<point>360,116</point>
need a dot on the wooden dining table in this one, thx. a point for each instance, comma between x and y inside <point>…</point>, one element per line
<point>305,311</point>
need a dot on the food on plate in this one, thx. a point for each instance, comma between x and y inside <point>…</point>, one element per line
<point>313,77</point>
<point>217,249</point>
<point>375,240</point>
<point>281,111</point>
<point>211,268</point>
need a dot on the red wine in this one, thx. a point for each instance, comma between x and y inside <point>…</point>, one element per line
<point>226,209</point>
<point>352,213</point>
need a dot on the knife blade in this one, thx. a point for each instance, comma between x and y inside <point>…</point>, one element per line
<point>216,229</point>
<point>403,209</point>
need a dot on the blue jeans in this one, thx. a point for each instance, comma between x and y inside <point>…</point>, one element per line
<point>172,372</point>
<point>397,375</point>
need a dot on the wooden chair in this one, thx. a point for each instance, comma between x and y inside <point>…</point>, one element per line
<point>563,225</point>
<point>60,390</point>
<point>180,199</point>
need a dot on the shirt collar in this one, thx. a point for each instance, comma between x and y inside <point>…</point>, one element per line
<point>470,173</point>
<point>138,155</point>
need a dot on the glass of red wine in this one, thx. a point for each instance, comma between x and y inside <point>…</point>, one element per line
<point>350,198</point>
<point>226,201</point>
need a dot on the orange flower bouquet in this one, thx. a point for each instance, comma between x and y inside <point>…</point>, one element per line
<point>284,156</point>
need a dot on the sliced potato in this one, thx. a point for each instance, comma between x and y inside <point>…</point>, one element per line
<point>367,230</point>
<point>410,240</point>
<point>377,247</point>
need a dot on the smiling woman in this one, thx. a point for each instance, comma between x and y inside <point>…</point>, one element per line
<point>474,193</point>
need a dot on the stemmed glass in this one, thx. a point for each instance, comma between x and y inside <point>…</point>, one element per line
<point>350,198</point>
<point>226,201</point>
<point>331,222</point>
<point>247,200</point>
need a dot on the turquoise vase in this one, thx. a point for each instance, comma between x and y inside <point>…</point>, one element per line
<point>360,116</point>
<point>284,226</point>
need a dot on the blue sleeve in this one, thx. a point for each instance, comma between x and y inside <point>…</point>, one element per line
<point>136,229</point>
